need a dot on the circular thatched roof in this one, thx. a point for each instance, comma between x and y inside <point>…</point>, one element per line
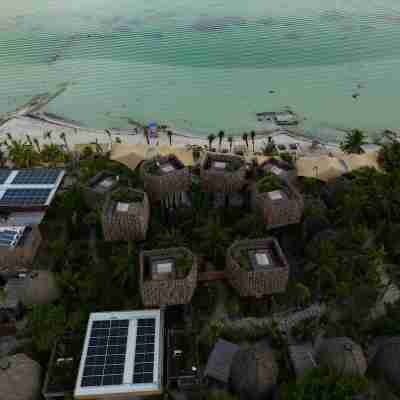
<point>386,363</point>
<point>254,372</point>
<point>19,378</point>
<point>40,287</point>
<point>343,355</point>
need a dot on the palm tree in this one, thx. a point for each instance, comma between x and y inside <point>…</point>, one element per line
<point>28,139</point>
<point>245,138</point>
<point>47,135</point>
<point>9,136</point>
<point>230,141</point>
<point>52,154</point>
<point>169,133</point>
<point>36,142</point>
<point>253,136</point>
<point>23,155</point>
<point>211,138</point>
<point>109,135</point>
<point>353,142</point>
<point>63,137</point>
<point>118,140</point>
<point>146,134</point>
<point>221,135</point>
<point>214,238</point>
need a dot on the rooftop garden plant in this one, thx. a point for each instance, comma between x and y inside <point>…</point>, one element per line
<point>268,183</point>
<point>183,265</point>
<point>233,165</point>
<point>127,196</point>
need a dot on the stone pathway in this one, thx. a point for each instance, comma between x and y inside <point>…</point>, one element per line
<point>285,321</point>
<point>391,295</point>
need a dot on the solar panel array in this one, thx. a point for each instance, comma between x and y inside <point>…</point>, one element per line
<point>4,174</point>
<point>36,177</point>
<point>7,237</point>
<point>105,360</point>
<point>25,197</point>
<point>144,352</point>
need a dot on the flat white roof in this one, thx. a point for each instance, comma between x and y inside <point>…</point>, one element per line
<point>164,267</point>
<point>276,170</point>
<point>262,258</point>
<point>219,164</point>
<point>167,167</point>
<point>122,354</point>
<point>275,195</point>
<point>122,207</point>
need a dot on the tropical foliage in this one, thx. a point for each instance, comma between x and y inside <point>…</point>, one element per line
<point>325,385</point>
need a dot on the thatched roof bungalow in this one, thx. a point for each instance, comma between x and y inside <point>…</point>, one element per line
<point>20,378</point>
<point>278,202</point>
<point>254,372</point>
<point>98,187</point>
<point>385,364</point>
<point>126,215</point>
<point>163,176</point>
<point>343,355</point>
<point>167,276</point>
<point>257,267</point>
<point>18,246</point>
<point>224,173</point>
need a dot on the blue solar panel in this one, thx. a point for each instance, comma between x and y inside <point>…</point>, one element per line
<point>7,237</point>
<point>36,177</point>
<point>25,197</point>
<point>4,173</point>
<point>105,358</point>
<point>144,352</point>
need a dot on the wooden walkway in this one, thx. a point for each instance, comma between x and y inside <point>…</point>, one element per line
<point>211,276</point>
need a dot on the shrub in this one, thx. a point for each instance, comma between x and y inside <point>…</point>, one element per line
<point>321,384</point>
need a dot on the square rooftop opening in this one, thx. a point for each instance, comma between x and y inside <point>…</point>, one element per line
<point>162,268</point>
<point>276,195</point>
<point>122,355</point>
<point>122,207</point>
<point>261,258</point>
<point>219,165</point>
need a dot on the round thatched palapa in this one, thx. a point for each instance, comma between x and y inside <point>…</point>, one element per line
<point>254,372</point>
<point>386,363</point>
<point>343,355</point>
<point>19,378</point>
<point>40,287</point>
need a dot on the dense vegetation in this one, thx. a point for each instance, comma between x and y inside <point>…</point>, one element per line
<point>350,234</point>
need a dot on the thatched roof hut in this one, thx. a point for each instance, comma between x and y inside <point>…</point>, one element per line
<point>224,173</point>
<point>342,355</point>
<point>167,276</point>
<point>254,372</point>
<point>126,215</point>
<point>257,267</point>
<point>39,287</point>
<point>163,176</point>
<point>20,251</point>
<point>386,363</point>
<point>278,202</point>
<point>20,378</point>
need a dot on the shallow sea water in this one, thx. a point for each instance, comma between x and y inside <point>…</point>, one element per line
<point>205,66</point>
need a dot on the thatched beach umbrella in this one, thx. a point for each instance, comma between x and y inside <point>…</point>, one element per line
<point>254,372</point>
<point>342,355</point>
<point>39,287</point>
<point>19,378</point>
<point>324,168</point>
<point>386,362</point>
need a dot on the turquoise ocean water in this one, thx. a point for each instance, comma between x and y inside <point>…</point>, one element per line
<point>205,65</point>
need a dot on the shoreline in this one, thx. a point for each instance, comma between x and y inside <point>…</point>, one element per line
<point>36,124</point>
